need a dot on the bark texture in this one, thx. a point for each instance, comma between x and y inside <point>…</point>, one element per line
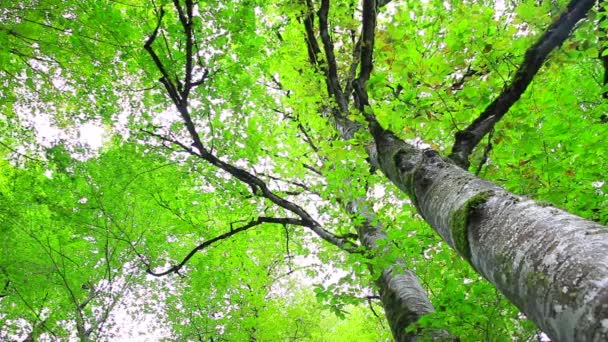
<point>403,298</point>
<point>551,264</point>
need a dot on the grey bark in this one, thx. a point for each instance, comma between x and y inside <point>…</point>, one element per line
<point>403,298</point>
<point>551,264</point>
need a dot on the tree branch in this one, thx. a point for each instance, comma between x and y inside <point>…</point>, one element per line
<point>311,41</point>
<point>367,41</point>
<point>202,246</point>
<point>165,80</point>
<point>333,83</point>
<point>186,21</point>
<point>366,59</point>
<point>534,58</point>
<point>257,185</point>
<point>486,153</point>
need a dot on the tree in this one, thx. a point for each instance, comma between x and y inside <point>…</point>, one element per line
<point>203,169</point>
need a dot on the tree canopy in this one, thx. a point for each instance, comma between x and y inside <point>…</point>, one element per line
<point>303,170</point>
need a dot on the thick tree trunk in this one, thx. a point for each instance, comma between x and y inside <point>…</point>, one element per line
<point>551,264</point>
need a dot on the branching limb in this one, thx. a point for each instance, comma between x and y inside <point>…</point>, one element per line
<point>165,79</point>
<point>311,40</point>
<point>346,126</point>
<point>198,149</point>
<point>534,58</point>
<point>260,188</point>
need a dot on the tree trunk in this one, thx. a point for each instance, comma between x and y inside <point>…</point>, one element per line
<point>403,298</point>
<point>551,264</point>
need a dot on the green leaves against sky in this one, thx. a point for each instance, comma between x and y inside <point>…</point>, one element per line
<point>81,226</point>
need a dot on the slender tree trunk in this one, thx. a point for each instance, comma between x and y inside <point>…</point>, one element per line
<point>403,298</point>
<point>551,264</point>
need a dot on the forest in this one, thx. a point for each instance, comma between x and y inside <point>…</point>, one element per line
<point>303,170</point>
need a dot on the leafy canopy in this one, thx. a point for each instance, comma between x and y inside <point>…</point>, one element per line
<point>82,226</point>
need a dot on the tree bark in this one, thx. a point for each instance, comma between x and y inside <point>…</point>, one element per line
<point>403,298</point>
<point>551,264</point>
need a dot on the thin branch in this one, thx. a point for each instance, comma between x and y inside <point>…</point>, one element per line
<point>534,58</point>
<point>298,184</point>
<point>371,307</point>
<point>165,80</point>
<point>289,256</point>
<point>251,224</point>
<point>469,72</point>
<point>352,73</point>
<point>202,79</point>
<point>65,31</point>
<point>302,129</point>
<point>311,40</point>
<point>171,141</point>
<point>313,169</point>
<point>486,153</point>
<point>147,171</point>
<point>90,297</point>
<point>21,154</point>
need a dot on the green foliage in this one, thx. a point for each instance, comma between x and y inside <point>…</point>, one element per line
<point>80,226</point>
